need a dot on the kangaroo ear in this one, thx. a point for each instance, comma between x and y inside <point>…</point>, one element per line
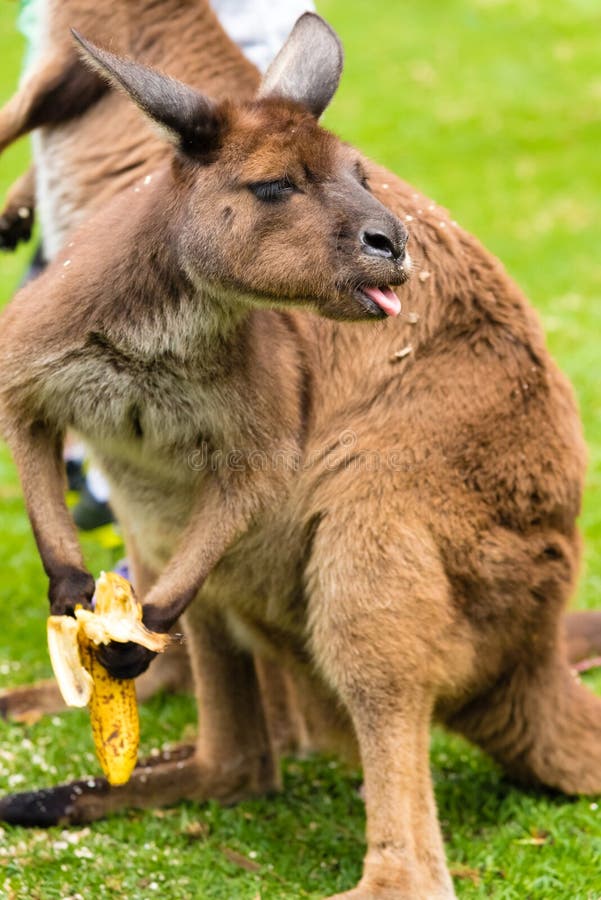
<point>187,118</point>
<point>308,67</point>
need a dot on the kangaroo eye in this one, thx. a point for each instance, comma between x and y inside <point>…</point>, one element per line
<point>272,191</point>
<point>361,176</point>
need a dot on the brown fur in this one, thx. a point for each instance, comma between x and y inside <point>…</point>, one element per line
<point>398,532</point>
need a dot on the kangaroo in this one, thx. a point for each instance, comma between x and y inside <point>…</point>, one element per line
<point>386,510</point>
<point>74,112</point>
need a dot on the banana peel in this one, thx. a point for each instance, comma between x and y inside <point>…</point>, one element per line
<point>83,680</point>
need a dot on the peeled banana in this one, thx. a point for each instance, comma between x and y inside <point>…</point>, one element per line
<point>83,680</point>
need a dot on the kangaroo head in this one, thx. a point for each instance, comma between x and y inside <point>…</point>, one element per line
<point>271,208</point>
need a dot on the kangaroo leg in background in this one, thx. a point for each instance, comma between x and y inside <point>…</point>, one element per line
<point>60,88</point>
<point>582,631</point>
<point>541,725</point>
<point>16,218</point>
<point>233,740</point>
<point>285,723</point>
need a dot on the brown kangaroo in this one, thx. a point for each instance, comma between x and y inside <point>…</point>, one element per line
<point>388,510</point>
<point>58,100</point>
<point>75,178</point>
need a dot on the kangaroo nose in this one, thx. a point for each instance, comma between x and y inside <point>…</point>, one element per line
<point>387,244</point>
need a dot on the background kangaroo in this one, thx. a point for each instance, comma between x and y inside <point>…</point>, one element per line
<point>433,582</point>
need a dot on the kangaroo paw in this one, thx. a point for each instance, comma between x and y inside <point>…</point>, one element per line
<point>16,224</point>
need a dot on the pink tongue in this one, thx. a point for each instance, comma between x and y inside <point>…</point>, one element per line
<point>386,299</point>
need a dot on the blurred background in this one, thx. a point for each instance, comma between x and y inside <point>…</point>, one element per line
<point>493,108</point>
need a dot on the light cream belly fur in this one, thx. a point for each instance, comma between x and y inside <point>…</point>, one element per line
<point>57,191</point>
<point>258,582</point>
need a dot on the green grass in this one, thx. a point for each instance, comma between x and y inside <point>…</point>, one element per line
<point>494,108</point>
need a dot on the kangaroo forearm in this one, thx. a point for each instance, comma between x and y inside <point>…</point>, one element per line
<point>13,119</point>
<point>37,455</point>
<point>18,115</point>
<point>220,518</point>
<point>203,546</point>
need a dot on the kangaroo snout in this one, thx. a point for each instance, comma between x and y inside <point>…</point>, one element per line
<point>384,261</point>
<point>384,239</point>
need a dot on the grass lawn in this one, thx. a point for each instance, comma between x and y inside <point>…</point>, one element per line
<point>494,108</point>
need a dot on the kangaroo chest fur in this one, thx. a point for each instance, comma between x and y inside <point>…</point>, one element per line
<point>149,417</point>
<point>162,424</point>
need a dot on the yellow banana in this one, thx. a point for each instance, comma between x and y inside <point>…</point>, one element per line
<point>113,716</point>
<point>83,680</point>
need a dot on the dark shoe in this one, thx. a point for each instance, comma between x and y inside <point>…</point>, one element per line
<point>90,513</point>
<point>76,478</point>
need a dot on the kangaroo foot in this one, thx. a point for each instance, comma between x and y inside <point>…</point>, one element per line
<point>376,892</point>
<point>544,727</point>
<point>160,781</point>
<point>582,632</point>
<point>31,701</point>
